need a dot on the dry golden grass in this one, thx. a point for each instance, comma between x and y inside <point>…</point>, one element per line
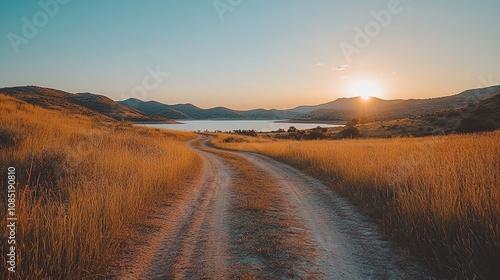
<point>82,185</point>
<point>438,196</point>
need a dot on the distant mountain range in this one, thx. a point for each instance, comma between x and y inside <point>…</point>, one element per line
<point>348,104</point>
<point>342,109</point>
<point>379,109</point>
<point>192,112</point>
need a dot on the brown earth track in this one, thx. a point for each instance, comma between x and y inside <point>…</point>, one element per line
<point>250,217</point>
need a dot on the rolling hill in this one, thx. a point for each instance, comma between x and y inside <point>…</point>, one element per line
<point>342,109</point>
<point>348,104</point>
<point>485,116</point>
<point>89,104</point>
<point>379,109</point>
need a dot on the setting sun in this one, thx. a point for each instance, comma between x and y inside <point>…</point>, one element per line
<point>365,89</point>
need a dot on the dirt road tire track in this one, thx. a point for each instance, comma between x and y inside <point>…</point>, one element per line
<point>189,240</point>
<point>350,244</point>
<point>309,232</point>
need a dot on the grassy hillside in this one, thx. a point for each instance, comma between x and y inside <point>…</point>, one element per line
<point>382,110</point>
<point>81,186</point>
<point>97,106</point>
<point>480,117</point>
<point>438,196</point>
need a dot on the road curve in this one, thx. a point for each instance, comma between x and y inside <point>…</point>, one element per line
<point>298,228</point>
<point>189,237</point>
<point>350,244</point>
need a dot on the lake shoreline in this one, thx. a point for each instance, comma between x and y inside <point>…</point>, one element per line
<point>231,125</point>
<point>339,123</point>
<point>276,121</point>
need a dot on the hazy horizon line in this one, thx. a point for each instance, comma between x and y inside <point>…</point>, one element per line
<point>248,108</point>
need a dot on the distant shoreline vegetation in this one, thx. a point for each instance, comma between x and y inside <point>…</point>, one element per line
<point>181,121</point>
<point>260,126</point>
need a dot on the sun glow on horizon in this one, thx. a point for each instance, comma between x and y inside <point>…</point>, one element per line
<point>365,89</point>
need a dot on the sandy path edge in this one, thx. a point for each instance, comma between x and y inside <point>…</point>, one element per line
<point>197,216</point>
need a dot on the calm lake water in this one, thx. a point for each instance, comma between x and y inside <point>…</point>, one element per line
<point>230,125</point>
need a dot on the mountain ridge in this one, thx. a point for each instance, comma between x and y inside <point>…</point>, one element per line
<point>341,109</point>
<point>95,105</point>
<point>188,111</point>
<point>380,109</point>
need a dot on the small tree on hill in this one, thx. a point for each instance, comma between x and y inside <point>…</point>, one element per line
<point>317,133</point>
<point>350,132</point>
<point>352,122</point>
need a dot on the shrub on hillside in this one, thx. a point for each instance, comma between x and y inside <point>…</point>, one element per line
<point>350,132</point>
<point>250,132</point>
<point>317,133</point>
<point>471,125</point>
<point>9,137</point>
<point>233,140</point>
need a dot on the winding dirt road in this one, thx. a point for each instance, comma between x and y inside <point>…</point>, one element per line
<point>250,217</point>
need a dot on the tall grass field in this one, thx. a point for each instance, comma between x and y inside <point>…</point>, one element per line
<point>81,185</point>
<point>437,196</point>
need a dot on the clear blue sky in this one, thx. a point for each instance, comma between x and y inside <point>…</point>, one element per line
<point>264,53</point>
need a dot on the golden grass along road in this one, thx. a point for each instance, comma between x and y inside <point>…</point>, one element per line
<point>437,196</point>
<point>103,199</point>
<point>248,216</point>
